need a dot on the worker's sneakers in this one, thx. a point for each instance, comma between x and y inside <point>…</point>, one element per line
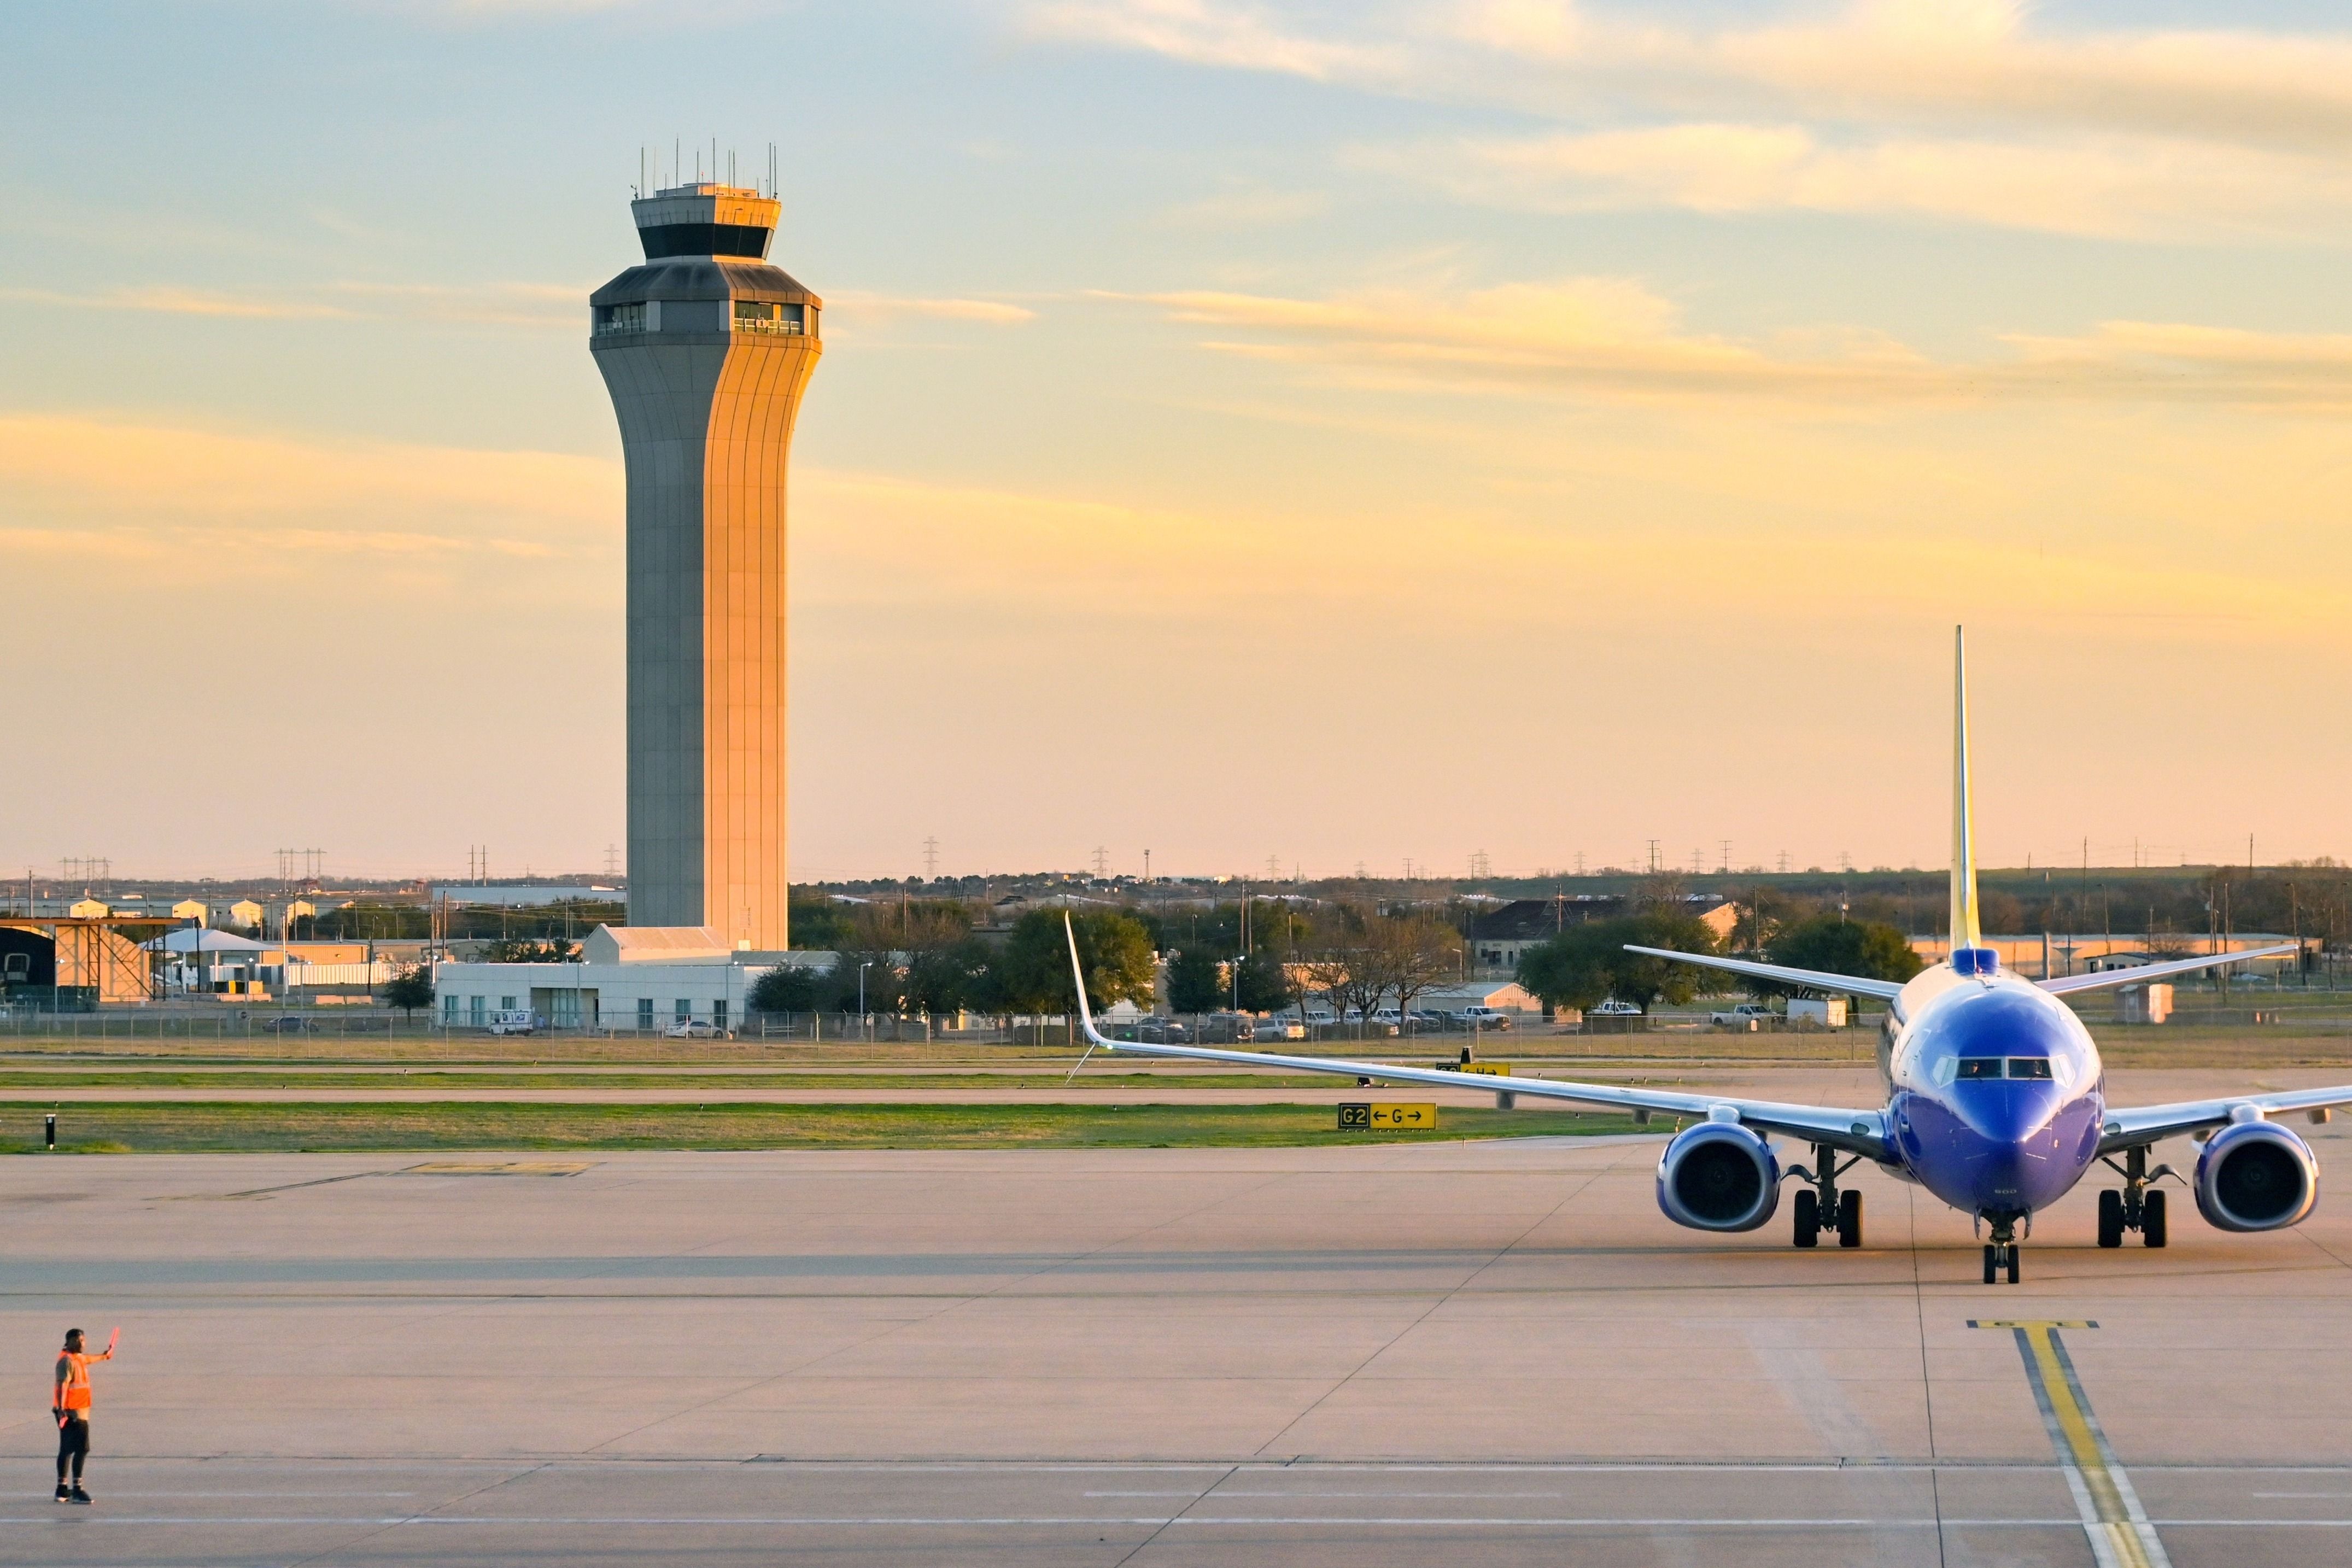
<point>63,1495</point>
<point>79,1495</point>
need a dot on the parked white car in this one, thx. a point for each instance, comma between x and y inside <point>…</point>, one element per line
<point>695,1029</point>
<point>1280,1028</point>
<point>1483,1018</point>
<point>1613,1008</point>
<point>1740,1017</point>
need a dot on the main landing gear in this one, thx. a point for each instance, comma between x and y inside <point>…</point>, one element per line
<point>2001,1252</point>
<point>2136,1207</point>
<point>1820,1207</point>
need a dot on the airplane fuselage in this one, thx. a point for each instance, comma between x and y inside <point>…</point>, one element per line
<point>1995,1090</point>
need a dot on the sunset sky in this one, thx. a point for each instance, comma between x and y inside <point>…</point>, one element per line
<point>1343,434</point>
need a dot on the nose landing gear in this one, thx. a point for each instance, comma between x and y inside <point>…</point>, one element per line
<point>1820,1207</point>
<point>2001,1252</point>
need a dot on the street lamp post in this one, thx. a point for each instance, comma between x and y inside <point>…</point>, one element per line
<point>862,968</point>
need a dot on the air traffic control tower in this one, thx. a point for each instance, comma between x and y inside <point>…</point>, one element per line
<point>706,350</point>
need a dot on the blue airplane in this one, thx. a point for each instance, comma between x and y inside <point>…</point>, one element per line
<point>1996,1100</point>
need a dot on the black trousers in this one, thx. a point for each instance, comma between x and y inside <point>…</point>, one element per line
<point>73,1444</point>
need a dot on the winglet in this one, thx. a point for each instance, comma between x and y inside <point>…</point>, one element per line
<point>1964,929</point>
<point>1078,979</point>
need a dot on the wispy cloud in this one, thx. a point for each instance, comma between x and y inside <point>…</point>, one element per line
<point>1615,338</point>
<point>853,306</point>
<point>535,305</point>
<point>2105,187</point>
<point>224,502</point>
<point>163,300</point>
<point>1247,209</point>
<point>1958,110</point>
<point>1207,33</point>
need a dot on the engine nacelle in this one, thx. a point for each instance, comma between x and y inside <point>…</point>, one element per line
<point>1718,1175</point>
<point>2256,1176</point>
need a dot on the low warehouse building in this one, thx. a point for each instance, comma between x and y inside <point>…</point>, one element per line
<point>631,977</point>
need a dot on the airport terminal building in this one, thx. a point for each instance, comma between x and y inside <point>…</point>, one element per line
<point>629,978</point>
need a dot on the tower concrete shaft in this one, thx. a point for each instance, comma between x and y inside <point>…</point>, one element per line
<point>706,350</point>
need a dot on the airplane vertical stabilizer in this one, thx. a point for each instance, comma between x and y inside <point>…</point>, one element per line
<point>1964,929</point>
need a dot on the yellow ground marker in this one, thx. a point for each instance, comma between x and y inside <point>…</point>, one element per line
<point>500,1168</point>
<point>1405,1116</point>
<point>2119,1531</point>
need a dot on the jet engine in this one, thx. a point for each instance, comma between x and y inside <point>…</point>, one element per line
<point>1718,1175</point>
<point>2256,1176</point>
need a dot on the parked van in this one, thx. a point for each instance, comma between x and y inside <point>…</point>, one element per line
<point>519,1022</point>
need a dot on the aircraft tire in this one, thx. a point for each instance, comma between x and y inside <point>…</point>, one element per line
<point>2111,1217</point>
<point>1991,1266</point>
<point>2151,1220</point>
<point>1809,1217</point>
<point>1849,1219</point>
<point>2013,1250</point>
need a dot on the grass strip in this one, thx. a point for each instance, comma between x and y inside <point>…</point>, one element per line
<point>98,1127</point>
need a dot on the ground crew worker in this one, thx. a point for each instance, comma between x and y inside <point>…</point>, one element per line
<point>69,1403</point>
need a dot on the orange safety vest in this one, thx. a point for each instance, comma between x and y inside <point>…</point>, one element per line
<point>77,1389</point>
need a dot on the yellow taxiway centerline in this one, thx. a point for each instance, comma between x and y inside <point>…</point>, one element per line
<point>2118,1528</point>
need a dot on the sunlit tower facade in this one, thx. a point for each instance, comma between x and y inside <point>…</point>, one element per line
<point>706,350</point>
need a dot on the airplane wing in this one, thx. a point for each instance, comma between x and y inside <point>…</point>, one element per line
<point>2147,1123</point>
<point>1862,1132</point>
<point>2105,978</point>
<point>1819,979</point>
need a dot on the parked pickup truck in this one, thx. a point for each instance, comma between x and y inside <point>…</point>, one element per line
<point>1739,1017</point>
<point>1483,1018</point>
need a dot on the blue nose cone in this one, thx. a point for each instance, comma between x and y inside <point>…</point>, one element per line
<point>2002,1118</point>
<point>2006,1146</point>
<point>2003,1113</point>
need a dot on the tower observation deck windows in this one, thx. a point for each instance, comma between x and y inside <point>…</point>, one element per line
<point>760,316</point>
<point>704,240</point>
<point>637,318</point>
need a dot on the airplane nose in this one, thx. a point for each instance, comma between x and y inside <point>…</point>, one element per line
<point>2005,1113</point>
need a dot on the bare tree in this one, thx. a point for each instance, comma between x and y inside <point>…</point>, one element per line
<point>1420,955</point>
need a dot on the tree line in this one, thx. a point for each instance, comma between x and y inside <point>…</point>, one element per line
<point>1587,965</point>
<point>923,957</point>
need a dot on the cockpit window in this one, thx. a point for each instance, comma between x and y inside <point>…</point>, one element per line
<point>2029,1066</point>
<point>1979,1067</point>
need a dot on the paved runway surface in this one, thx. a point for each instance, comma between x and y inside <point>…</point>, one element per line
<point>1496,1352</point>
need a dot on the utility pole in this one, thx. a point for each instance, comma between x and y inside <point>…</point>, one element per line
<point>1654,856</point>
<point>1723,862</point>
<point>931,858</point>
<point>1102,862</point>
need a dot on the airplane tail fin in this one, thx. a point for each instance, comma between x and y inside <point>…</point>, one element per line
<point>1965,931</point>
